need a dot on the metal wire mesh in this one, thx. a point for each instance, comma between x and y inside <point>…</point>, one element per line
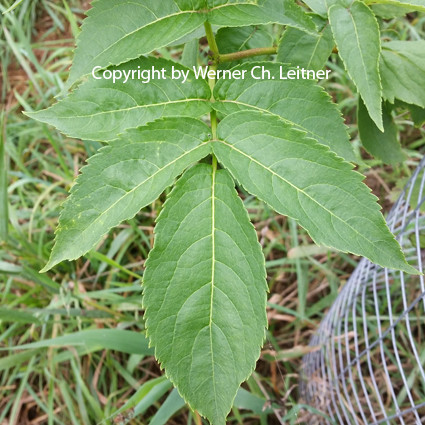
<point>369,365</point>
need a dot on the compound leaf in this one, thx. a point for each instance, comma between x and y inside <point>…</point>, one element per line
<point>301,103</point>
<point>116,31</point>
<point>101,109</point>
<point>356,34</point>
<point>382,145</point>
<point>403,71</point>
<point>124,177</point>
<point>205,291</point>
<point>306,50</point>
<point>270,159</point>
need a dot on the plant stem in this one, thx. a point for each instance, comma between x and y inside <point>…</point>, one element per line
<point>211,41</point>
<point>216,54</point>
<point>260,51</point>
<point>229,57</point>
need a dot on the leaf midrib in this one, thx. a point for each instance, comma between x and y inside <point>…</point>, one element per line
<point>132,108</point>
<point>213,261</point>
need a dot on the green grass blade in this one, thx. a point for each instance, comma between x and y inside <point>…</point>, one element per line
<point>144,397</point>
<point>21,316</point>
<point>170,406</point>
<point>14,6</point>
<point>4,208</point>
<point>111,339</point>
<point>246,400</point>
<point>16,359</point>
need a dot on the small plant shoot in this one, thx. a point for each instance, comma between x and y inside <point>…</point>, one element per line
<point>257,118</point>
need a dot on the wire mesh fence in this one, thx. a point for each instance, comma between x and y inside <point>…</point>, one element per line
<point>369,364</point>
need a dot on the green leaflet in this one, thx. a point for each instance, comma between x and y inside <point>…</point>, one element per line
<point>116,31</point>
<point>301,103</point>
<point>403,71</point>
<point>409,5</point>
<point>356,34</point>
<point>205,291</point>
<point>100,109</point>
<point>309,51</point>
<point>300,178</point>
<point>382,145</point>
<point>124,177</point>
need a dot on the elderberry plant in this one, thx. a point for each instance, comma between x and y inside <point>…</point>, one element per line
<point>261,125</point>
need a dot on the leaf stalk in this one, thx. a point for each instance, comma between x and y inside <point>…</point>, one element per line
<point>260,51</point>
<point>229,57</point>
<point>211,41</point>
